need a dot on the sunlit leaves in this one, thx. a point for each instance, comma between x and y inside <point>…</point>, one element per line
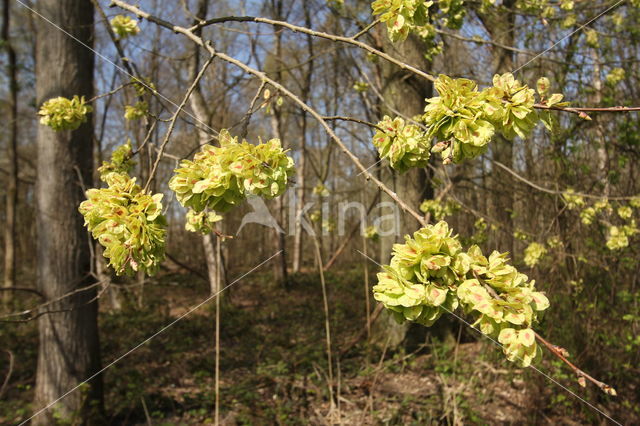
<point>64,114</point>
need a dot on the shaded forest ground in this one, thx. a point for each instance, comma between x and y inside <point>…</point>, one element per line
<point>274,368</point>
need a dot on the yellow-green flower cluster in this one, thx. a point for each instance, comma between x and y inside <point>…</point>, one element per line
<point>124,26</point>
<point>120,163</point>
<point>602,211</point>
<point>615,76</point>
<point>509,106</point>
<point>618,236</point>
<point>404,145</point>
<point>572,200</point>
<point>361,86</point>
<point>431,274</point>
<point>457,118</point>
<point>321,190</point>
<point>202,222</point>
<point>371,233</point>
<point>128,222</point>
<point>519,345</point>
<point>401,16</point>
<point>405,16</point>
<point>219,178</point>
<point>463,120</point>
<point>137,111</point>
<point>533,254</point>
<point>439,209</point>
<point>64,114</point>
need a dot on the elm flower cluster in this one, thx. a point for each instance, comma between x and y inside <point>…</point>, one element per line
<point>431,274</point>
<point>136,111</point>
<point>219,178</point>
<point>457,119</point>
<point>401,16</point>
<point>404,145</point>
<point>64,114</point>
<point>120,163</point>
<point>533,254</point>
<point>124,26</point>
<point>509,106</point>
<point>128,223</point>
<point>439,209</point>
<point>202,222</point>
<point>463,120</point>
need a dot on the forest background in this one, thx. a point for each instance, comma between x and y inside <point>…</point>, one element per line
<point>295,337</point>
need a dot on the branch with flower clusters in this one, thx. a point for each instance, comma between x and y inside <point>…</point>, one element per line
<point>430,274</point>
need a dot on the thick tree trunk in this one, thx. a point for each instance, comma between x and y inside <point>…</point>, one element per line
<point>301,166</point>
<point>280,265</point>
<point>12,157</point>
<point>405,94</point>
<point>69,347</point>
<point>501,27</point>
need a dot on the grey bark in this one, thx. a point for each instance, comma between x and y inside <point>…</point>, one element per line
<point>500,25</point>
<point>68,340</point>
<point>406,94</point>
<point>12,157</point>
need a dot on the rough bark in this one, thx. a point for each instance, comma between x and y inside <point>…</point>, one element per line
<point>68,339</point>
<point>500,24</point>
<point>12,159</point>
<point>301,166</point>
<point>280,265</point>
<point>406,94</point>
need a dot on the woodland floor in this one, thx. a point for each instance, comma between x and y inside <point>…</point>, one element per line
<point>274,367</point>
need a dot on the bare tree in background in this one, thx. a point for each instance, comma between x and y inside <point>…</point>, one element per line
<point>12,158</point>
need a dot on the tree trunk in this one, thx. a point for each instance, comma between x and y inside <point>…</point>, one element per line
<point>12,157</point>
<point>501,27</point>
<point>280,265</point>
<point>69,347</point>
<point>301,166</point>
<point>406,94</point>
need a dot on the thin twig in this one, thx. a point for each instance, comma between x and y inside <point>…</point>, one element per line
<point>9,373</point>
<point>355,120</point>
<point>582,110</point>
<point>325,304</point>
<point>247,116</point>
<point>365,29</point>
<point>559,354</point>
<point>264,77</point>
<point>174,119</point>
<point>296,28</point>
<point>553,191</point>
